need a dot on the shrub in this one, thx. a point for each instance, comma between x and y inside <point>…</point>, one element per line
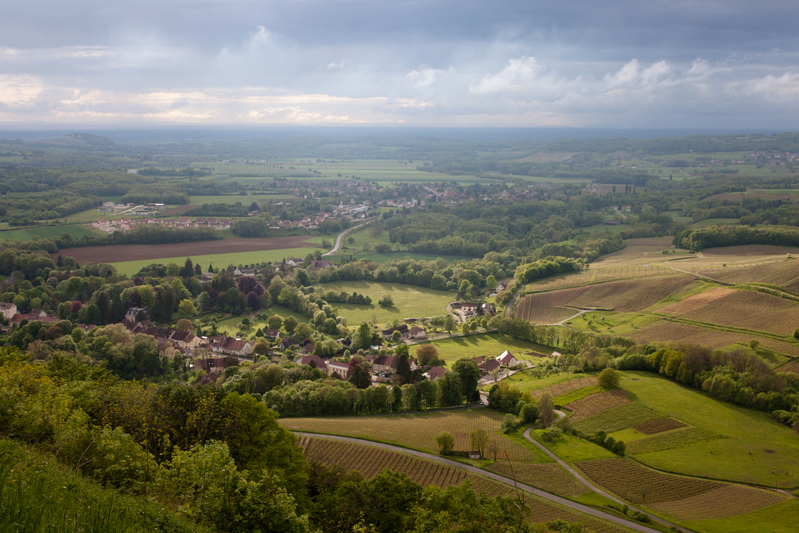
<point>609,379</point>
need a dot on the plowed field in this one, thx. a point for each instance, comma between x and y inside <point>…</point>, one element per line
<point>133,252</point>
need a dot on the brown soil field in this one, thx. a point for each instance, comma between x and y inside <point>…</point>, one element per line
<point>666,331</point>
<point>661,424</point>
<point>782,321</point>
<point>637,251</point>
<point>793,366</point>
<point>630,295</point>
<point>638,485</point>
<point>779,272</point>
<point>695,302</point>
<point>546,307</point>
<point>737,306</point>
<point>179,210</point>
<point>596,403</point>
<point>723,502</point>
<point>751,249</point>
<point>133,252</point>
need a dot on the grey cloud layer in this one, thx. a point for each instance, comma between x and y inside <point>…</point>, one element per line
<point>625,63</point>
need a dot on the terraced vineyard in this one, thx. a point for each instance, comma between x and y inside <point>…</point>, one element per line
<point>369,460</point>
<point>617,418</point>
<point>549,477</point>
<point>596,403</point>
<point>565,386</point>
<point>630,295</point>
<point>419,431</point>
<point>639,485</point>
<point>723,502</point>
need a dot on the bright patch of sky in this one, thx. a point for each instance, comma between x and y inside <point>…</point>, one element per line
<point>622,63</point>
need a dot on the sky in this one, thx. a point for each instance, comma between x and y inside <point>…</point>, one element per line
<point>726,64</point>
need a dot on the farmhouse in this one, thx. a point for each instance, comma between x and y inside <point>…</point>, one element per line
<point>272,334</point>
<point>288,342</point>
<point>387,333</point>
<point>383,363</point>
<point>488,366</point>
<point>507,359</point>
<point>8,310</point>
<point>313,361</point>
<point>435,373</point>
<point>416,333</point>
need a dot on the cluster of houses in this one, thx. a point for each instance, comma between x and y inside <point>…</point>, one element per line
<point>126,224</point>
<point>486,366</point>
<point>407,334</point>
<point>467,310</point>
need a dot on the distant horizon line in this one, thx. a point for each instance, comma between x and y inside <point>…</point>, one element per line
<point>38,131</point>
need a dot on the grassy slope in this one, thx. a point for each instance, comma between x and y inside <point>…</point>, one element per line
<point>409,301</point>
<point>755,445</point>
<point>218,260</point>
<point>490,344</point>
<point>48,232</point>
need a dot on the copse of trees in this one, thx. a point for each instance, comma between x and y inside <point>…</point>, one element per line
<point>543,268</point>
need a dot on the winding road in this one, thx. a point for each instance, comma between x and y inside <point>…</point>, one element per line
<point>341,237</point>
<point>585,482</point>
<point>496,477</point>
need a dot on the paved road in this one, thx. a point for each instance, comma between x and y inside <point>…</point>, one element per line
<point>341,237</point>
<point>496,477</point>
<point>585,482</point>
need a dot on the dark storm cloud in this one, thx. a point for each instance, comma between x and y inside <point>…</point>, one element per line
<point>625,63</point>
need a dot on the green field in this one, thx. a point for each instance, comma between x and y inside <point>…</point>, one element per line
<point>409,301</point>
<point>246,200</point>
<point>48,232</point>
<point>218,260</point>
<point>604,323</point>
<point>484,345</point>
<point>383,171</point>
<point>754,445</point>
<point>780,518</point>
<point>230,326</point>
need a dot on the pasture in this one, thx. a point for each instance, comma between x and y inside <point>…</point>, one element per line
<point>484,345</point>
<point>217,260</point>
<point>750,448</point>
<point>47,232</point>
<point>409,301</point>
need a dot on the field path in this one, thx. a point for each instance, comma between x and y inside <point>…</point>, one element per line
<point>341,237</point>
<point>585,482</point>
<point>496,477</point>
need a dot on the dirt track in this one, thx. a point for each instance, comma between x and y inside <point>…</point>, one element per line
<point>134,252</point>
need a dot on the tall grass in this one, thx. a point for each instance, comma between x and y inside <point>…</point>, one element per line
<point>39,495</point>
